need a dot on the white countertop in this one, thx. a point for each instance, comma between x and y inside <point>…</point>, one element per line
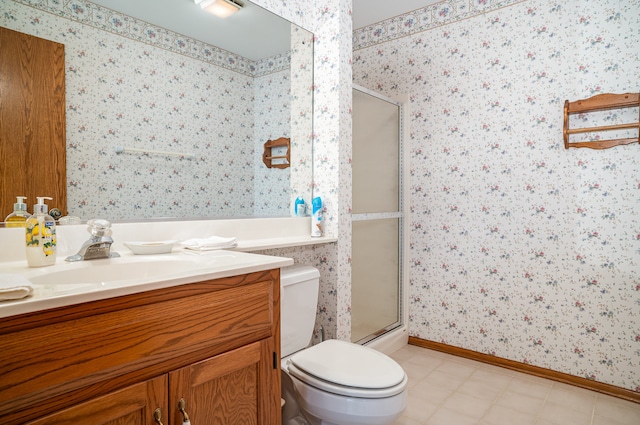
<point>73,283</point>
<point>68,283</point>
<point>251,245</point>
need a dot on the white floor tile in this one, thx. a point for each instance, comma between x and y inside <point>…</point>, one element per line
<point>450,417</point>
<point>563,415</point>
<point>577,398</point>
<point>480,389</point>
<point>501,415</point>
<point>426,390</point>
<point>467,405</point>
<point>615,411</point>
<point>420,409</point>
<point>530,388</point>
<point>447,390</point>
<point>444,380</point>
<point>458,369</point>
<point>520,402</point>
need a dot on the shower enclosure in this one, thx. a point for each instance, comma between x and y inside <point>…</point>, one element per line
<point>377,216</point>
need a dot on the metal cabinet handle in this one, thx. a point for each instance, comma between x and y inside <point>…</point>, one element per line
<point>182,404</point>
<point>157,416</point>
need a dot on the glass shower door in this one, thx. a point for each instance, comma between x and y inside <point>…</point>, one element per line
<point>377,216</point>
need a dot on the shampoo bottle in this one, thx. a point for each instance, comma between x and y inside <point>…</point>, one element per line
<point>41,236</point>
<point>19,216</point>
<point>316,217</point>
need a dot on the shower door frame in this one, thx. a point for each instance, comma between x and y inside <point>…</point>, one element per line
<point>395,335</point>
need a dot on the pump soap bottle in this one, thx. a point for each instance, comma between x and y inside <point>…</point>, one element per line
<point>19,216</point>
<point>41,236</point>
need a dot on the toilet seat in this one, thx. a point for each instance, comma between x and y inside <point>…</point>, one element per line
<point>348,369</point>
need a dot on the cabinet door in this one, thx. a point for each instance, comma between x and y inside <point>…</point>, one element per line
<point>232,388</point>
<point>133,405</point>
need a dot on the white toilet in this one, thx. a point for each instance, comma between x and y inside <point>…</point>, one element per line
<point>333,382</point>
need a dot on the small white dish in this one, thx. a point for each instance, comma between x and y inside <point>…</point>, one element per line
<point>149,248</point>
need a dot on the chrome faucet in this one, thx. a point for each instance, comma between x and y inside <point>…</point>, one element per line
<point>99,245</point>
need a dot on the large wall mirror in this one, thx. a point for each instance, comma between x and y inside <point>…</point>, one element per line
<point>191,99</point>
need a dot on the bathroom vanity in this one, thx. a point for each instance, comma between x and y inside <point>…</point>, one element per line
<point>111,341</point>
<point>206,350</point>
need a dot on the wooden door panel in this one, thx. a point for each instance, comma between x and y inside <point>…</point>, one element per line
<point>223,390</point>
<point>32,121</point>
<point>229,399</point>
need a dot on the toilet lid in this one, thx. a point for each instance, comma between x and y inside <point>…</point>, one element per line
<point>349,364</point>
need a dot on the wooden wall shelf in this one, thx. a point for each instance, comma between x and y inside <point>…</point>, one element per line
<point>268,157</point>
<point>601,102</point>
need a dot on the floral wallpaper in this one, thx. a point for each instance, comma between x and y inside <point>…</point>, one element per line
<point>519,248</point>
<point>330,22</point>
<point>134,85</point>
<point>165,53</point>
<point>332,156</point>
<point>272,114</point>
<point>301,174</point>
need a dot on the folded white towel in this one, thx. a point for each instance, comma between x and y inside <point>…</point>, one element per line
<point>14,286</point>
<point>210,243</point>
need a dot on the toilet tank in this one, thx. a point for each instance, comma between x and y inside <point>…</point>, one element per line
<point>299,287</point>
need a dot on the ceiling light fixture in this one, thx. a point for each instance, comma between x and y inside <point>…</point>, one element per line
<point>220,8</point>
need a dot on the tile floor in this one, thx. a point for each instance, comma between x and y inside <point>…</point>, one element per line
<point>449,390</point>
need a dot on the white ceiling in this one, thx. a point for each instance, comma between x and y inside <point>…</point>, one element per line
<point>253,32</point>
<point>367,12</point>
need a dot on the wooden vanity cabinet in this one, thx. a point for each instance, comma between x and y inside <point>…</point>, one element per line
<point>210,348</point>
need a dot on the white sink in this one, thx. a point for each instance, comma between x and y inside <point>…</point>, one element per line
<point>108,271</point>
<point>68,283</point>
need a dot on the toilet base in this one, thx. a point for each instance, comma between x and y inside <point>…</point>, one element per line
<point>291,414</point>
<point>322,408</point>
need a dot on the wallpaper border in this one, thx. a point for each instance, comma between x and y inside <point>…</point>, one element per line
<point>94,15</point>
<point>425,18</point>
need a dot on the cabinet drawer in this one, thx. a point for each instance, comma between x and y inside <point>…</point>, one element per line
<point>50,360</point>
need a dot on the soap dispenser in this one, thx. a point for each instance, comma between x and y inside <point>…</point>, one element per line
<point>19,216</point>
<point>41,236</point>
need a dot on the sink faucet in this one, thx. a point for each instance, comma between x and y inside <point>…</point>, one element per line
<point>99,245</point>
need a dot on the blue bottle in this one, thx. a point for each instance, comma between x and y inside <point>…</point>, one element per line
<point>299,207</point>
<point>316,217</point>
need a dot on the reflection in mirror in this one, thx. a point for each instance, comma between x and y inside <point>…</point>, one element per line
<point>166,86</point>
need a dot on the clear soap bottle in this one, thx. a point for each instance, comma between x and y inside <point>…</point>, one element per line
<point>19,216</point>
<point>41,236</point>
